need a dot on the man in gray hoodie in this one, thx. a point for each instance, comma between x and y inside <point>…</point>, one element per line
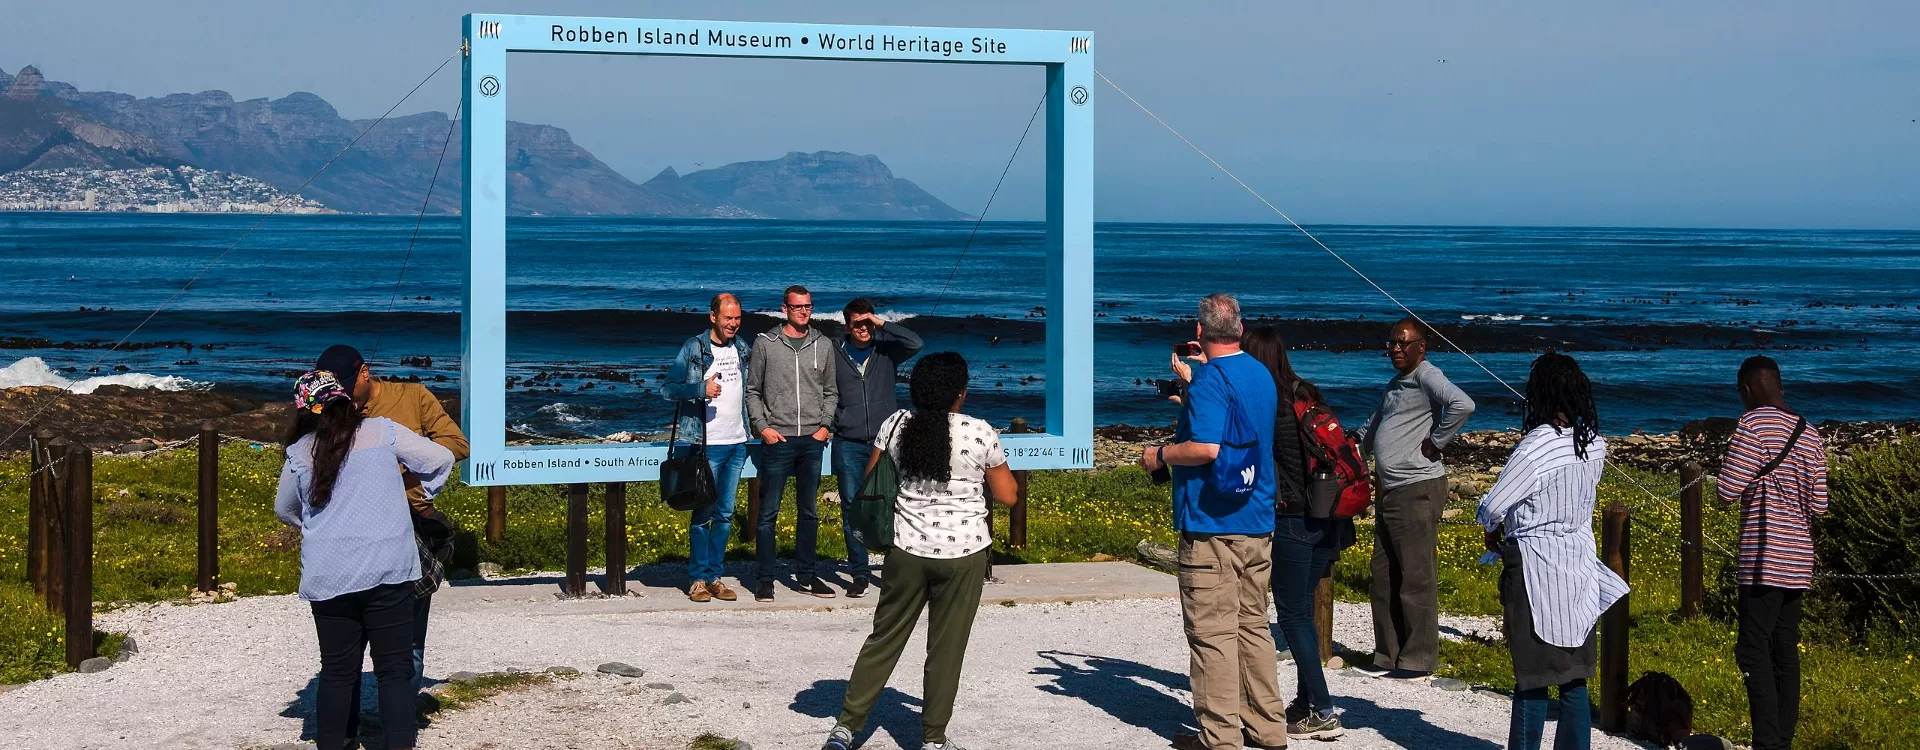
<point>868,365</point>
<point>1419,414</point>
<point>791,399</point>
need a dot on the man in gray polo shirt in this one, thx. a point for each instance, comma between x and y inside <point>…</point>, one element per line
<point>1419,414</point>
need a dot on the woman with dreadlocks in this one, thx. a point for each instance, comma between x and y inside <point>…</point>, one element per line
<point>948,464</point>
<point>1553,587</point>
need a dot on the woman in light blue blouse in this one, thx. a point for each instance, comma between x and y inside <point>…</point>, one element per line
<point>341,487</point>
<point>1553,587</point>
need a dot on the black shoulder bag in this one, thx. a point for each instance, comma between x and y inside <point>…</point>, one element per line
<point>686,480</point>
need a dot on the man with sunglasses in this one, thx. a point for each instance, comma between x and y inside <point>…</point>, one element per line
<point>791,399</point>
<point>1419,414</point>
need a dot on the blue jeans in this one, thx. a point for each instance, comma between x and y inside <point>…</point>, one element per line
<point>1530,719</point>
<point>797,457</point>
<point>422,606</point>
<point>1303,553</point>
<point>850,471</point>
<point>712,525</point>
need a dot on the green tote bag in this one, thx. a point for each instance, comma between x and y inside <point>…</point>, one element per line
<point>872,508</point>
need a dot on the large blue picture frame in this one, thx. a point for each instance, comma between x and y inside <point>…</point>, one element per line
<point>1067,60</point>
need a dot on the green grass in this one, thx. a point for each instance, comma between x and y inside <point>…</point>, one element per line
<point>1856,693</point>
<point>711,741</point>
<point>463,694</point>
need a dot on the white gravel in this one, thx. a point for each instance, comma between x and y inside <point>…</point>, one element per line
<point>1089,675</point>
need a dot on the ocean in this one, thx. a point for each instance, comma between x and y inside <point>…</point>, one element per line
<point>1659,318</point>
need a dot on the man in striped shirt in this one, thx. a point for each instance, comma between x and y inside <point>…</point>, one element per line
<point>1776,469</point>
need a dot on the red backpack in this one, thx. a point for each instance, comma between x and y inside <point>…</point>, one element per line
<point>1338,486</point>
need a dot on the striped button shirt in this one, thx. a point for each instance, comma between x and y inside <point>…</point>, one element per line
<point>1545,497</point>
<point>364,536</point>
<point>1777,510</point>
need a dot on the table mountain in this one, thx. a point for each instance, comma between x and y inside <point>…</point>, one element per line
<point>52,125</point>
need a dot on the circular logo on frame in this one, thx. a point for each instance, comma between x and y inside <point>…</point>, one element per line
<point>1079,95</point>
<point>490,86</point>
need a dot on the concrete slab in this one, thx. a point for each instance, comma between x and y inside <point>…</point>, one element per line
<point>660,588</point>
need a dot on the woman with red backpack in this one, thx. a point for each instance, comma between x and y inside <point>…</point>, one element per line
<point>1306,541</point>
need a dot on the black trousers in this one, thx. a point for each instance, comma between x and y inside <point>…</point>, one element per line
<point>1768,652</point>
<point>379,620</point>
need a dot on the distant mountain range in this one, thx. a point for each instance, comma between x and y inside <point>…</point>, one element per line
<point>47,125</point>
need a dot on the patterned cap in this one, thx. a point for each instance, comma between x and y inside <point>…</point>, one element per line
<point>315,389</point>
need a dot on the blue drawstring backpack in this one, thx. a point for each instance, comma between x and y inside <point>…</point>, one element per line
<point>1235,470</point>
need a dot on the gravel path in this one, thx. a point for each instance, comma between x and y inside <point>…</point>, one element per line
<point>1089,675</point>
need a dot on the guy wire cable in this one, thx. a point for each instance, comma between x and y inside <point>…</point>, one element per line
<point>223,254</point>
<point>1343,261</point>
<point>983,211</point>
<point>452,122</point>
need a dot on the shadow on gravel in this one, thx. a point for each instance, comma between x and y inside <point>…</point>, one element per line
<point>1407,727</point>
<point>1121,688</point>
<point>895,712</point>
<point>368,723</point>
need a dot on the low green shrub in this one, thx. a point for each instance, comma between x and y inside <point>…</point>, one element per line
<point>1872,526</point>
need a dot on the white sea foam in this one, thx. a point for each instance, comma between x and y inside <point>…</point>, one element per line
<point>34,371</point>
<point>1494,318</point>
<point>839,317</point>
<point>567,413</point>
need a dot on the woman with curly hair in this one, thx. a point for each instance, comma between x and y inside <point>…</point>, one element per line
<point>1553,587</point>
<point>942,531</point>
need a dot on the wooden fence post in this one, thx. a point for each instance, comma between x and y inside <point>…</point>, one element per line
<point>209,537</point>
<point>55,554</point>
<point>1692,567</point>
<point>79,564</point>
<point>496,514</point>
<point>1323,617</point>
<point>576,539</point>
<point>753,510</point>
<point>38,521</point>
<point>1617,551</point>
<point>1017,516</point>
<point>616,580</point>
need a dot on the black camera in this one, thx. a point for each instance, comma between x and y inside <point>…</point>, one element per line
<point>1167,387</point>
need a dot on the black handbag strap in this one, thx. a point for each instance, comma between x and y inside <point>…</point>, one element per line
<point>1799,428</point>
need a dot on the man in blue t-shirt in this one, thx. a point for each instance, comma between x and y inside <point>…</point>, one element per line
<point>1223,488</point>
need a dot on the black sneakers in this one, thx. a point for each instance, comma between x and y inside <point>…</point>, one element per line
<point>813,585</point>
<point>763,592</point>
<point>858,589</point>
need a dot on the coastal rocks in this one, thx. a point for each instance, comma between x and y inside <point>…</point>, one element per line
<point>128,649</point>
<point>489,570</point>
<point>95,665</point>
<point>676,698</point>
<point>1450,684</point>
<point>463,676</point>
<point>621,669</point>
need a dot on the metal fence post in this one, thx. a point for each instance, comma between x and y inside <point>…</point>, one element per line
<point>1692,567</point>
<point>209,537</point>
<point>79,566</point>
<point>616,580</point>
<point>1617,551</point>
<point>576,539</point>
<point>496,514</point>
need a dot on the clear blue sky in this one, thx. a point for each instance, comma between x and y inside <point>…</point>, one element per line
<point>1707,113</point>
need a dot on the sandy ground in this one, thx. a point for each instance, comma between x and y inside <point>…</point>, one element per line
<point>1106,674</point>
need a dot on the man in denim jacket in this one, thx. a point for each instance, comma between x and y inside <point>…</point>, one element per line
<point>707,384</point>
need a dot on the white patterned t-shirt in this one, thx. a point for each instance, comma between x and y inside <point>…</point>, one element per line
<point>946,520</point>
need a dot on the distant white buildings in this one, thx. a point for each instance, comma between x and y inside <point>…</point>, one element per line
<point>150,189</point>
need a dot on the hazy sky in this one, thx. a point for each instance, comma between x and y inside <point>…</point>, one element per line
<point>1706,113</point>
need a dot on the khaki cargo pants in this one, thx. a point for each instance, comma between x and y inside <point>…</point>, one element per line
<point>1223,600</point>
